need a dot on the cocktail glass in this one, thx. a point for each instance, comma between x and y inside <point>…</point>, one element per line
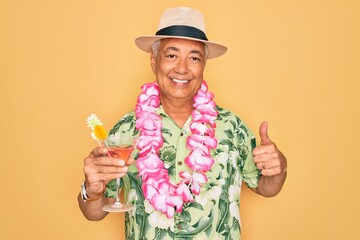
<point>120,146</point>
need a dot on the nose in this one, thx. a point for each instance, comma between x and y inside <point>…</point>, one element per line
<point>181,66</point>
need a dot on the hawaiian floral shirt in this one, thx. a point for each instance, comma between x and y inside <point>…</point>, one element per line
<point>215,212</point>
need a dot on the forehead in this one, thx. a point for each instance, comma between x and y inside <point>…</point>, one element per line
<point>182,44</point>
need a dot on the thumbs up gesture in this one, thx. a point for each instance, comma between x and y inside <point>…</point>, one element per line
<point>267,156</point>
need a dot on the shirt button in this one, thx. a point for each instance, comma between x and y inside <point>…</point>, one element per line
<point>179,163</point>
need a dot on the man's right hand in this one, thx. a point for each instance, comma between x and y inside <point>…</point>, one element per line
<point>100,168</point>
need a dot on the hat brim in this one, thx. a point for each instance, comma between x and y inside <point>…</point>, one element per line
<point>145,43</point>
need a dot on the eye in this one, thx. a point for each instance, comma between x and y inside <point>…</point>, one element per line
<point>171,56</point>
<point>195,59</point>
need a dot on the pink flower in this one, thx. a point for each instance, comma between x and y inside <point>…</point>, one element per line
<point>158,201</point>
<point>198,160</point>
<point>192,143</point>
<point>149,144</point>
<point>156,178</point>
<point>149,191</point>
<point>203,99</point>
<point>150,163</point>
<point>198,140</point>
<point>201,129</point>
<point>204,87</point>
<point>208,109</point>
<point>140,110</point>
<point>196,180</point>
<point>175,201</point>
<point>149,95</point>
<point>183,190</point>
<point>206,118</point>
<point>148,121</point>
<point>170,212</point>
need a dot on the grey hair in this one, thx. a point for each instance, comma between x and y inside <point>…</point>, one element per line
<point>155,48</point>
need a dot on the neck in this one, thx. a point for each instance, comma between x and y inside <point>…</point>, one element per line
<point>179,111</point>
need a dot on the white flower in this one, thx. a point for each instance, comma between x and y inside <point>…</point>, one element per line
<point>131,199</point>
<point>234,155</point>
<point>148,207</point>
<point>214,192</point>
<point>234,198</point>
<point>209,193</point>
<point>222,158</point>
<point>157,218</point>
<point>93,121</point>
<point>221,182</point>
<point>237,179</point>
<point>132,196</point>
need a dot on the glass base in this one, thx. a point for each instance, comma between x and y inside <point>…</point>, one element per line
<point>117,207</point>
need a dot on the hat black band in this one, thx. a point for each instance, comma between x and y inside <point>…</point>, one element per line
<point>182,31</point>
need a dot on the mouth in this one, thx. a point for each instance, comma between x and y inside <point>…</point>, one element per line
<point>181,81</point>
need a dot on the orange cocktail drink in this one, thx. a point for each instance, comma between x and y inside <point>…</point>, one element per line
<point>123,152</point>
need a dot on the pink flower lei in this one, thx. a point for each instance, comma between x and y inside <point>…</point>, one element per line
<point>163,195</point>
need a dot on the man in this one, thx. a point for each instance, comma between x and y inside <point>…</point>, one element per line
<point>192,155</point>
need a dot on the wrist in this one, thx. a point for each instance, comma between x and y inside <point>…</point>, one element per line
<point>86,196</point>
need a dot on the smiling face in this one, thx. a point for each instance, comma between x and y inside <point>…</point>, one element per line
<point>178,66</point>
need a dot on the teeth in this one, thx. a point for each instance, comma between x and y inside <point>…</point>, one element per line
<point>179,81</point>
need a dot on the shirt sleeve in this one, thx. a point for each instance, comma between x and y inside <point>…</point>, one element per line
<point>250,173</point>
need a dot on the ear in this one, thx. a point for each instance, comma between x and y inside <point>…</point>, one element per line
<point>153,61</point>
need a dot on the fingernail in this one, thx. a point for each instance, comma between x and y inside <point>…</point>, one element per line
<point>121,163</point>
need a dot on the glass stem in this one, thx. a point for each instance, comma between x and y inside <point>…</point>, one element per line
<point>117,199</point>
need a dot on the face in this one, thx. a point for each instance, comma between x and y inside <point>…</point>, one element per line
<point>179,67</point>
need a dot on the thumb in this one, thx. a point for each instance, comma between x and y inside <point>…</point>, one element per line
<point>263,131</point>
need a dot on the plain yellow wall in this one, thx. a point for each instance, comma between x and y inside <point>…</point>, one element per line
<point>293,63</point>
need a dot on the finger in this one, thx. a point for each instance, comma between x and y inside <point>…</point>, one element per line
<point>104,161</point>
<point>111,169</point>
<point>111,176</point>
<point>269,164</point>
<point>265,149</point>
<point>266,159</point>
<point>263,131</point>
<point>91,171</point>
<point>271,171</point>
<point>96,178</point>
<point>99,151</point>
<point>260,165</point>
<point>130,161</point>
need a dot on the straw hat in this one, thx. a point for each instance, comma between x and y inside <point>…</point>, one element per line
<point>184,23</point>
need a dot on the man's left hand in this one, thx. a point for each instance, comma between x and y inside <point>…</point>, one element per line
<point>267,156</point>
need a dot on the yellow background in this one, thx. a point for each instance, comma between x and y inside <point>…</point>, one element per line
<point>293,63</point>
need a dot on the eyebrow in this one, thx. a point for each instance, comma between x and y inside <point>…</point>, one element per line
<point>177,50</point>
